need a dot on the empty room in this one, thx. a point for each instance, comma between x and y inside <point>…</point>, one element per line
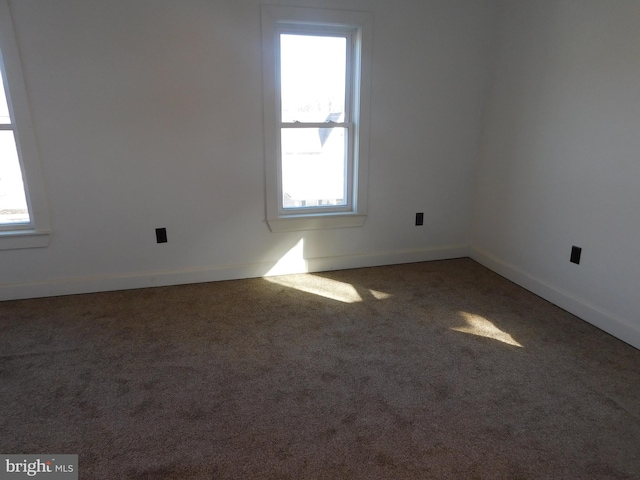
<point>320,239</point>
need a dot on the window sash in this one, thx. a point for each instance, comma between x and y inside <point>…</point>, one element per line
<point>348,123</point>
<point>348,171</point>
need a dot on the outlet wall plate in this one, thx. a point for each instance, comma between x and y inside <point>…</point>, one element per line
<point>420,218</point>
<point>575,255</point>
<point>161,235</point>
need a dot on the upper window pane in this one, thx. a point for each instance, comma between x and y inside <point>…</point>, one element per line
<point>13,204</point>
<point>312,78</point>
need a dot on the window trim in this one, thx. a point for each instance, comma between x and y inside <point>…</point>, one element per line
<point>36,233</point>
<point>275,19</point>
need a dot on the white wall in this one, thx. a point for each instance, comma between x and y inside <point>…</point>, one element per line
<point>560,161</point>
<point>148,114</point>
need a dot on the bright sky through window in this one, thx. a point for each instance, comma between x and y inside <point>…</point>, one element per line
<point>313,72</point>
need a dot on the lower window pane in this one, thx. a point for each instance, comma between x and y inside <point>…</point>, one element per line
<point>313,167</point>
<point>13,204</point>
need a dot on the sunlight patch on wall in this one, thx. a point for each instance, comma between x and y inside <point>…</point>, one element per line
<point>289,272</point>
<point>477,325</point>
<point>291,262</point>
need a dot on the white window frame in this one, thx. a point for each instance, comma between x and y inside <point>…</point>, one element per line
<point>357,27</point>
<point>35,233</point>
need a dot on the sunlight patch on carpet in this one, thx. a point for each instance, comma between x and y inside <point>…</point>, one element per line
<point>477,325</point>
<point>379,295</point>
<point>288,272</point>
<point>325,287</point>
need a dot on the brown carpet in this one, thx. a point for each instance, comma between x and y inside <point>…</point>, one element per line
<point>427,370</point>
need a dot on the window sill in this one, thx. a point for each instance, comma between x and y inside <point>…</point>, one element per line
<point>294,223</point>
<point>17,239</point>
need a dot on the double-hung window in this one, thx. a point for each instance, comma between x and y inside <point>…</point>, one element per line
<point>24,220</point>
<point>316,91</point>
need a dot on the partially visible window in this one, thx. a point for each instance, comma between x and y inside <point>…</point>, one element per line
<point>316,75</point>
<point>24,221</point>
<point>13,201</point>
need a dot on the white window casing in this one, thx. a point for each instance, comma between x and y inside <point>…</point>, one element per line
<point>356,28</point>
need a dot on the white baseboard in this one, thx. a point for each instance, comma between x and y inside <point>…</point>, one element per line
<point>105,283</point>
<point>579,307</point>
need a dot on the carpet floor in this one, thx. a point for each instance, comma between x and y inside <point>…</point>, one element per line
<point>427,370</point>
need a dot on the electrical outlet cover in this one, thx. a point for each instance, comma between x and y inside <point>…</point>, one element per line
<point>161,235</point>
<point>575,254</point>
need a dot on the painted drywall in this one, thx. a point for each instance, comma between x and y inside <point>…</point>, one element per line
<point>149,114</point>
<point>560,163</point>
